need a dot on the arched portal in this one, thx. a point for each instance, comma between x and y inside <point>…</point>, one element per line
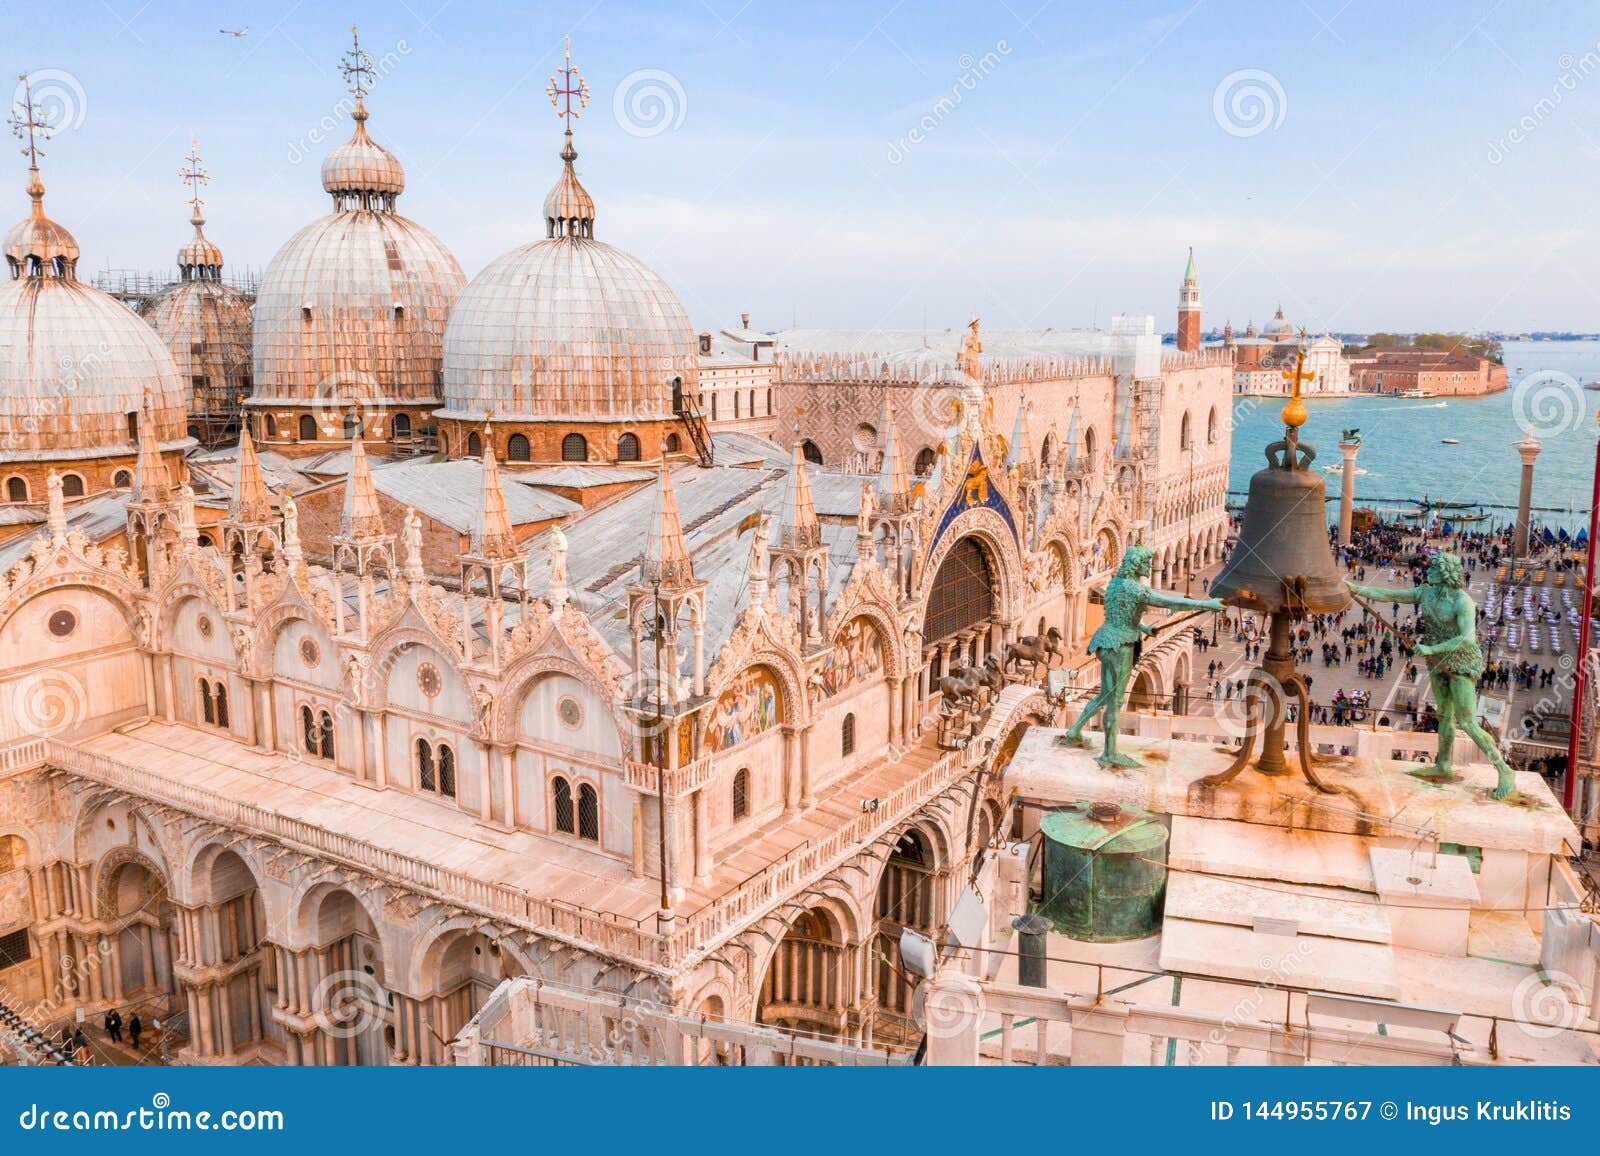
<point>911,894</point>
<point>137,904</point>
<point>808,985</point>
<point>351,995</point>
<point>460,971</point>
<point>961,605</point>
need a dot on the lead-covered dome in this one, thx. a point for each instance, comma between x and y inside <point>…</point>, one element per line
<point>353,307</point>
<point>567,327</point>
<point>76,365</point>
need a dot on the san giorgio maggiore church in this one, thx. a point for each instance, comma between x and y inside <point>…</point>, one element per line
<point>393,634</point>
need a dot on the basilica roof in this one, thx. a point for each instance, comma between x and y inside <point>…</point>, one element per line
<point>567,328</point>
<point>353,306</point>
<point>74,362</point>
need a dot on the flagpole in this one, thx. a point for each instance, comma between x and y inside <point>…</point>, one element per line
<point>1570,788</point>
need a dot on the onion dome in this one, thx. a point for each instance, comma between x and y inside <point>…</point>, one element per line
<point>567,327</point>
<point>77,368</point>
<point>353,307</point>
<point>205,323</point>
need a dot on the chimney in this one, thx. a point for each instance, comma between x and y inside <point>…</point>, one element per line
<point>705,343</point>
<point>744,321</point>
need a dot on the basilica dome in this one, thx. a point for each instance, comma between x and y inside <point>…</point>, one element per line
<point>567,327</point>
<point>77,368</point>
<point>1279,329</point>
<point>206,326</point>
<point>351,311</point>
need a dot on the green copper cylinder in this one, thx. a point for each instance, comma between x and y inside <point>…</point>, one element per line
<point>1105,871</point>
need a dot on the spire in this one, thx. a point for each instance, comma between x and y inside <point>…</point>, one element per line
<point>894,487</point>
<point>361,517</point>
<point>37,247</point>
<point>199,257</point>
<point>666,554</point>
<point>492,538</point>
<point>1189,273</point>
<point>361,174</point>
<point>251,502</point>
<point>1074,436</point>
<point>568,207</point>
<point>1017,452</point>
<point>799,528</point>
<point>152,481</point>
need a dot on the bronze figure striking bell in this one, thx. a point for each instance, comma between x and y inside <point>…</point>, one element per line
<point>1282,562</point>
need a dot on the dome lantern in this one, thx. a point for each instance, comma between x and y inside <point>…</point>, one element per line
<point>37,247</point>
<point>199,259</point>
<point>361,173</point>
<point>568,207</point>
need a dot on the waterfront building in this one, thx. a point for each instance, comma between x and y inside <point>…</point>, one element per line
<point>1260,360</point>
<point>1417,373</point>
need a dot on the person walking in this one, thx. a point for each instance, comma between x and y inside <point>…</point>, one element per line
<point>80,1046</point>
<point>135,1030</point>
<point>114,1026</point>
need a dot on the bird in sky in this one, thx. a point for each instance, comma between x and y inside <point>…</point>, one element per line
<point>233,31</point>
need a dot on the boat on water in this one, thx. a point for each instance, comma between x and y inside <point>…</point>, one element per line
<point>1414,394</point>
<point>1451,441</point>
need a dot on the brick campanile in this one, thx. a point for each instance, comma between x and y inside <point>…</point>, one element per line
<point>1189,309</point>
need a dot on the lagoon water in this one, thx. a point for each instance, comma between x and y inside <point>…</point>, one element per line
<point>1403,450</point>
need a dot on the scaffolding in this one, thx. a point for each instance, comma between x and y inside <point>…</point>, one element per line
<point>206,324</point>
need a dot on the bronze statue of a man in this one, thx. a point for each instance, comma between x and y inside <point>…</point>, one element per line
<point>1455,661</point>
<point>1114,644</point>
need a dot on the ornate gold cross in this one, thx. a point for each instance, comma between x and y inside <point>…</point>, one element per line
<point>356,66</point>
<point>571,85</point>
<point>26,125</point>
<point>194,175</point>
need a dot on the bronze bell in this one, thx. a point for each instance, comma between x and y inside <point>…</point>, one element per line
<point>1282,562</point>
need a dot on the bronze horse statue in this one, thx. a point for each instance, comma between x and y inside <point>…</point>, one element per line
<point>1032,648</point>
<point>960,687</point>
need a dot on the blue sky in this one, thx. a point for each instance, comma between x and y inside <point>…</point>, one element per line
<point>871,164</point>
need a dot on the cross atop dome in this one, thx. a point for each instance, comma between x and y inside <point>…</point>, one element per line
<point>356,67</point>
<point>198,257</point>
<point>27,126</point>
<point>194,175</point>
<point>568,207</point>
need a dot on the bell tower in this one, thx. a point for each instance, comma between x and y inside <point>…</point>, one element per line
<point>1189,309</point>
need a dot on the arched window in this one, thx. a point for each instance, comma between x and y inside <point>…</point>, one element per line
<point>132,420</point>
<point>308,428</point>
<point>628,448</point>
<point>447,771</point>
<point>736,403</point>
<point>847,735</point>
<point>588,813</point>
<point>269,426</point>
<point>474,446</point>
<point>1088,444</point>
<point>518,450</point>
<point>325,725</point>
<point>962,595</point>
<point>561,793</point>
<point>425,776</point>
<point>222,705</point>
<point>769,402</point>
<point>674,443</point>
<point>308,725</point>
<point>1185,437</point>
<point>194,430</point>
<point>352,426</point>
<point>16,490</point>
<point>574,448</point>
<point>810,452</point>
<point>71,486</point>
<point>752,403</point>
<point>713,407</point>
<point>1211,426</point>
<point>122,479</point>
<point>924,463</point>
<point>207,710</point>
<point>401,425</point>
<point>741,793</point>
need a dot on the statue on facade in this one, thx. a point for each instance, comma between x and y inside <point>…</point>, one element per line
<point>971,347</point>
<point>1455,662</point>
<point>1116,645</point>
<point>291,527</point>
<point>411,540</point>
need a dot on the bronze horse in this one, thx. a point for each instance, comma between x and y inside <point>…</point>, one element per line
<point>1032,648</point>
